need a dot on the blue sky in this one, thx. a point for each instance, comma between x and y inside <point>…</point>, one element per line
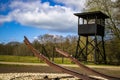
<point>31,18</point>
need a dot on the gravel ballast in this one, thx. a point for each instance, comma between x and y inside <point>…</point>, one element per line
<point>35,76</point>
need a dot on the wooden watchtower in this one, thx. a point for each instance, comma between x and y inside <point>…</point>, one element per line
<point>91,24</point>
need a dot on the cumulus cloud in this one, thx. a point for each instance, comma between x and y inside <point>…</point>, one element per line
<point>43,15</point>
<point>77,5</point>
<point>5,19</point>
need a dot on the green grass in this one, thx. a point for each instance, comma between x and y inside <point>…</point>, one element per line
<point>65,61</point>
<point>30,59</point>
<point>8,58</point>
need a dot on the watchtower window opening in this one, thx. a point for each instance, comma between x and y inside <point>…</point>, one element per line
<point>92,21</point>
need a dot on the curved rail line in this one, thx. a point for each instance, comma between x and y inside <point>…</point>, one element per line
<point>51,64</point>
<point>85,67</point>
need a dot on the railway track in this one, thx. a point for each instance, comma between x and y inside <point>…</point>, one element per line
<point>85,67</point>
<point>65,70</point>
<point>55,66</point>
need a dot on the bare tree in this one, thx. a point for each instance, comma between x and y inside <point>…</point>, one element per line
<point>112,9</point>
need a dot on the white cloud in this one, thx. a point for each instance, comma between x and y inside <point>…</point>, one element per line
<point>77,5</point>
<point>36,37</point>
<point>43,15</point>
<point>5,19</point>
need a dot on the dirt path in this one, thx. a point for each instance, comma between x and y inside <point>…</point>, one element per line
<point>66,65</point>
<point>15,67</point>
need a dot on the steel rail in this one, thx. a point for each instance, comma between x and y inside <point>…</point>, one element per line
<point>85,67</point>
<point>51,64</point>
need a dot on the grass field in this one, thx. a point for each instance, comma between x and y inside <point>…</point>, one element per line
<point>30,59</point>
<point>7,68</point>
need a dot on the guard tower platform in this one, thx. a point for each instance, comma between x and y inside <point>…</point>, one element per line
<point>91,24</point>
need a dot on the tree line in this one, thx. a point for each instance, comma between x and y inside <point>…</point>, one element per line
<point>46,45</point>
<point>42,43</point>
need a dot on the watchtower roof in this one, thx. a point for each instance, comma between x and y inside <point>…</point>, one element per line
<point>92,15</point>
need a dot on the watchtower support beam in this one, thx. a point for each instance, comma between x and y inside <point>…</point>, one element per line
<point>92,26</point>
